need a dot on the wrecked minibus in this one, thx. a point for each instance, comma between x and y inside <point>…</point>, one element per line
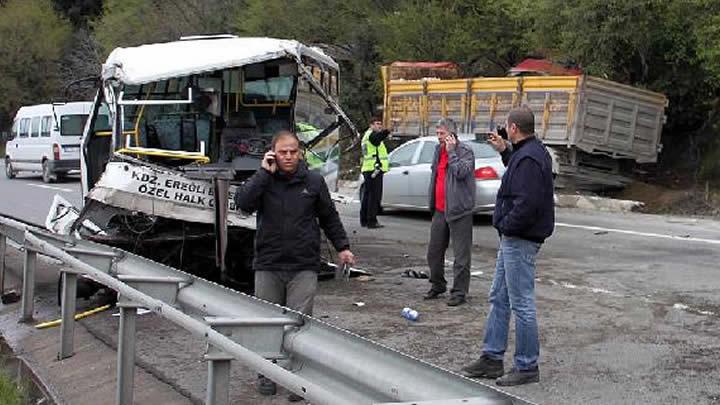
<point>187,122</point>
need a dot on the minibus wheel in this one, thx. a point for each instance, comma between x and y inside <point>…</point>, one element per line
<point>9,172</point>
<point>46,175</point>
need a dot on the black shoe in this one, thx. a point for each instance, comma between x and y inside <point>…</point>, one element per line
<point>519,377</point>
<point>484,367</point>
<point>293,397</point>
<point>433,294</point>
<point>266,386</point>
<point>455,300</point>
<point>375,226</point>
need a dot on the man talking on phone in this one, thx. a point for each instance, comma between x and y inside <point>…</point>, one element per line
<point>452,201</point>
<point>292,204</point>
<point>524,217</point>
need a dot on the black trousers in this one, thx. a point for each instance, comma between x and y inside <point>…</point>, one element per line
<point>370,203</point>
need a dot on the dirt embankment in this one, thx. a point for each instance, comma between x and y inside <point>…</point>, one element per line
<point>680,200</point>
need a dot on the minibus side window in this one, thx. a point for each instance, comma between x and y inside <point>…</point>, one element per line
<point>45,126</point>
<point>35,127</point>
<point>24,127</point>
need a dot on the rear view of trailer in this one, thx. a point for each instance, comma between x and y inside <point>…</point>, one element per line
<point>593,124</point>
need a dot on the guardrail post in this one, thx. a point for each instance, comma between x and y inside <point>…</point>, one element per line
<point>218,385</point>
<point>126,353</point>
<point>67,326</point>
<point>3,249</point>
<point>261,335</point>
<point>27,305</point>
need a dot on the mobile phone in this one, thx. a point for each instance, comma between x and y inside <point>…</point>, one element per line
<point>502,132</point>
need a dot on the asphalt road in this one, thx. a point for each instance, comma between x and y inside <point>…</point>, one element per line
<point>28,198</point>
<point>628,304</point>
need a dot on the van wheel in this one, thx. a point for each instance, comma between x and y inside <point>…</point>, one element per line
<point>46,175</point>
<point>9,172</point>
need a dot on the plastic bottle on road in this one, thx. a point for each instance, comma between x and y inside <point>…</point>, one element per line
<point>410,314</point>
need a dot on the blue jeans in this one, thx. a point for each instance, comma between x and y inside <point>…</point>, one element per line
<point>513,288</point>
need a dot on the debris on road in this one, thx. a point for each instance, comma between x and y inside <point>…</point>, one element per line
<point>79,316</point>
<point>410,273</point>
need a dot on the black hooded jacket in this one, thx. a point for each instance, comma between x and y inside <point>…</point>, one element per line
<point>291,209</point>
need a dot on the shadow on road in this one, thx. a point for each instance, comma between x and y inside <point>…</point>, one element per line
<point>73,178</point>
<point>478,220</point>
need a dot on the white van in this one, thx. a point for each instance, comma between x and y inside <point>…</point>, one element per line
<point>45,138</point>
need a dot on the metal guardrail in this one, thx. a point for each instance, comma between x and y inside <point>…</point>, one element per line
<point>324,364</point>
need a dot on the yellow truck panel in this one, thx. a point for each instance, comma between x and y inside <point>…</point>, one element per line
<point>594,115</point>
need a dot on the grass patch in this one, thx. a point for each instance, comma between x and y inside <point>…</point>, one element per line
<point>10,394</point>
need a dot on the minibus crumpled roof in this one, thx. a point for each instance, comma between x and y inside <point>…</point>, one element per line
<point>154,62</point>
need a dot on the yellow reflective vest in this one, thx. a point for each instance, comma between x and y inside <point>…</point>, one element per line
<point>371,153</point>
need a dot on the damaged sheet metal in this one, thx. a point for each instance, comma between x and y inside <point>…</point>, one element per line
<point>164,193</point>
<point>153,62</point>
<point>168,193</point>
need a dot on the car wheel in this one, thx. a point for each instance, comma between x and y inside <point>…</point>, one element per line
<point>47,177</point>
<point>9,172</point>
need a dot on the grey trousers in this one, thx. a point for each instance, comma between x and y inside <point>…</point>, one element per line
<point>441,232</point>
<point>293,289</point>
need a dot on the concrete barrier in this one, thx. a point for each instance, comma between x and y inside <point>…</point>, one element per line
<point>596,203</point>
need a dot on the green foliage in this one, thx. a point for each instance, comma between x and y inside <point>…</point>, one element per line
<point>669,46</point>
<point>33,38</point>
<point>135,22</point>
<point>481,36</point>
<point>9,392</point>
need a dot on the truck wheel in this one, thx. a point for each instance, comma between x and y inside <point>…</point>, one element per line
<point>47,176</point>
<point>9,172</point>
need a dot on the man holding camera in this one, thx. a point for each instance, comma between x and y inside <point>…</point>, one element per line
<point>374,164</point>
<point>452,201</point>
<point>292,204</point>
<point>524,217</point>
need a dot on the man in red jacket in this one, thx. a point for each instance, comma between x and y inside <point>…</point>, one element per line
<point>452,201</point>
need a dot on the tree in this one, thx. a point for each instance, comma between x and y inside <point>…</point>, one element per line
<point>135,22</point>
<point>483,37</point>
<point>79,11</point>
<point>656,44</point>
<point>32,39</point>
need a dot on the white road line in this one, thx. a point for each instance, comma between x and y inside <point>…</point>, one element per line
<point>66,190</point>
<point>648,234</point>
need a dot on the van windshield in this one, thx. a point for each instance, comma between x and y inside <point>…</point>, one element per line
<point>72,125</point>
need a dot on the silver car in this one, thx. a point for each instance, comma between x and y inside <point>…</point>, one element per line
<point>406,185</point>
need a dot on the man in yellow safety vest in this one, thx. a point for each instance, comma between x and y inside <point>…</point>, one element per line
<point>374,164</point>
